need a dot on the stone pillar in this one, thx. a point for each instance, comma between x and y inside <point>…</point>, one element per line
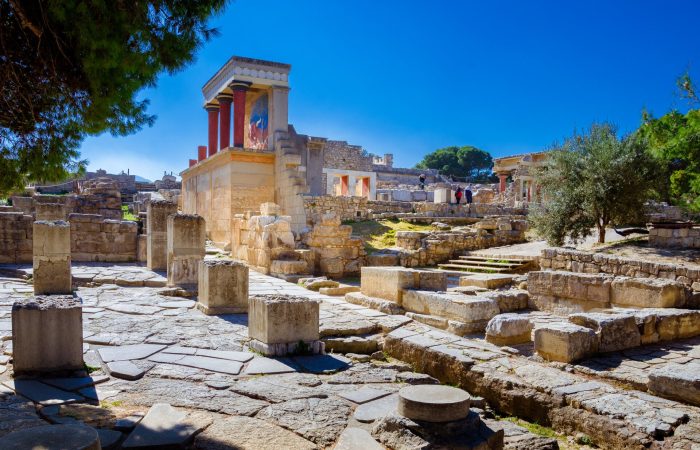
<point>223,287</point>
<point>50,211</point>
<point>239,92</point>
<point>201,153</point>
<point>278,112</point>
<point>51,242</point>
<point>47,334</point>
<point>502,177</point>
<point>278,323</point>
<point>186,241</point>
<point>224,120</point>
<point>157,224</point>
<point>213,112</point>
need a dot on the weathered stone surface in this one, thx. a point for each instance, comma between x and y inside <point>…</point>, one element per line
<point>647,293</point>
<point>567,292</point>
<point>341,290</point>
<point>47,334</point>
<point>433,403</point>
<point>371,411</point>
<point>128,352</point>
<point>222,287</point>
<point>385,306</point>
<point>565,342</point>
<point>44,394</point>
<point>509,329</point>
<point>108,438</point>
<point>246,433</point>
<point>51,257</point>
<point>356,439</point>
<point>266,366</point>
<point>283,319</point>
<point>52,437</point>
<point>351,344</point>
<point>614,331</point>
<point>387,283</point>
<point>125,370</point>
<point>364,394</point>
<point>454,306</point>
<point>677,381</point>
<point>186,241</point>
<point>162,426</point>
<point>486,280</point>
<point>157,243</point>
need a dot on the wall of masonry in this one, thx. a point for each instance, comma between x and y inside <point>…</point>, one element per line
<point>576,261</point>
<point>674,238</point>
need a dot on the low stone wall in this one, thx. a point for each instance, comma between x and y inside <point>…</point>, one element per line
<point>577,261</point>
<point>336,254</point>
<point>92,238</point>
<point>674,237</point>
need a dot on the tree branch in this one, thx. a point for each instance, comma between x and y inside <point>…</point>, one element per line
<point>24,20</point>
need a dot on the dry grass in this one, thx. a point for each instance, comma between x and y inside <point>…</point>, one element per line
<point>381,234</point>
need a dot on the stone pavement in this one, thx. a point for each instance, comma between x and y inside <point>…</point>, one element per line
<point>201,365</point>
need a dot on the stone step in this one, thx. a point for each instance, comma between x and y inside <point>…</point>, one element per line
<point>484,263</point>
<point>468,268</point>
<point>494,258</point>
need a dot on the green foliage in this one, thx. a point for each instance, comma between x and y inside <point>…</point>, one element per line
<point>72,68</point>
<point>591,181</point>
<point>461,162</point>
<point>127,215</point>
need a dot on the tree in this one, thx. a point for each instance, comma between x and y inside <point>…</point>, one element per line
<point>461,162</point>
<point>674,139</point>
<point>593,180</point>
<point>72,68</point>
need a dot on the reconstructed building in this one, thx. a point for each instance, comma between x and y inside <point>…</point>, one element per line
<point>520,169</point>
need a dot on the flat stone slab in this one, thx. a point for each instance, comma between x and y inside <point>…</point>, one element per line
<point>267,366</point>
<point>129,308</point>
<point>162,426</point>
<point>125,370</point>
<point>369,412</point>
<point>73,384</point>
<point>108,438</point>
<point>323,363</point>
<point>52,437</point>
<point>433,403</point>
<point>240,432</point>
<point>211,364</point>
<point>177,304</point>
<point>128,352</point>
<point>364,394</point>
<point>356,439</point>
<point>44,394</point>
<point>219,354</point>
<point>677,381</point>
<point>486,280</point>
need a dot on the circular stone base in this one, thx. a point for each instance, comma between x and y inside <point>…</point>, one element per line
<point>433,403</point>
<point>52,437</point>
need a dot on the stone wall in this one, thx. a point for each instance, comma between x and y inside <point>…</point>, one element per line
<point>92,238</point>
<point>335,253</point>
<point>577,261</point>
<point>349,208</point>
<point>674,237</point>
<point>341,155</point>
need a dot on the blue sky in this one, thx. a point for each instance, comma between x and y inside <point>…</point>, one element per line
<point>408,77</point>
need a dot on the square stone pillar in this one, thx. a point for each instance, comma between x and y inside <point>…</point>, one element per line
<point>157,224</point>
<point>278,324</point>
<point>47,334</point>
<point>51,251</point>
<point>186,247</point>
<point>50,211</point>
<point>223,287</point>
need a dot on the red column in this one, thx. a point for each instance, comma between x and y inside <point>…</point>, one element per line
<point>201,153</point>
<point>193,162</point>
<point>344,181</point>
<point>224,120</point>
<point>239,90</point>
<point>213,111</point>
<point>502,185</point>
<point>365,187</point>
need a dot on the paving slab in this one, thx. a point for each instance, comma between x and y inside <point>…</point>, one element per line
<point>163,426</point>
<point>322,363</point>
<point>356,439</point>
<point>364,394</point>
<point>177,304</point>
<point>224,354</point>
<point>130,308</point>
<point>268,366</point>
<point>369,412</point>
<point>211,364</point>
<point>73,384</point>
<point>128,352</point>
<point>52,437</point>
<point>125,370</point>
<point>44,394</point>
<point>108,438</point>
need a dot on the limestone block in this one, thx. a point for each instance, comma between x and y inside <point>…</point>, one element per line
<point>51,257</point>
<point>431,281</point>
<point>47,334</point>
<point>285,267</point>
<point>615,331</point>
<point>186,240</point>
<point>50,211</point>
<point>53,437</point>
<point>647,293</point>
<point>510,300</point>
<point>387,283</point>
<point>565,342</point>
<point>157,248</point>
<point>672,324</point>
<point>282,319</point>
<point>269,209</point>
<point>222,287</point>
<point>567,292</point>
<point>486,280</point>
<point>509,329</point>
<point>677,381</point>
<point>383,259</point>
<point>442,195</point>
<point>141,247</point>
<point>433,403</point>
<point>487,224</point>
<point>451,305</point>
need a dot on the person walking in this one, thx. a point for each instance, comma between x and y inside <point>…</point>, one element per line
<point>468,197</point>
<point>458,194</point>
<point>421,181</point>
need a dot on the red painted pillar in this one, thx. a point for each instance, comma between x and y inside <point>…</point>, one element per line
<point>213,111</point>
<point>365,187</point>
<point>193,162</point>
<point>224,120</point>
<point>502,182</point>
<point>201,153</point>
<point>344,181</point>
<point>239,90</point>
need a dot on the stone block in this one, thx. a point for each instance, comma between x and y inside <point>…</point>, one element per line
<point>677,381</point>
<point>283,320</point>
<point>51,257</point>
<point>186,241</point>
<point>451,305</point>
<point>285,267</point>
<point>141,248</point>
<point>647,293</point>
<point>442,195</point>
<point>47,334</point>
<point>486,280</point>
<point>433,403</point>
<point>565,342</point>
<point>387,283</point>
<point>567,292</point>
<point>431,281</point>
<point>269,209</point>
<point>50,211</point>
<point>157,248</point>
<point>509,329</point>
<point>222,287</point>
<point>614,331</point>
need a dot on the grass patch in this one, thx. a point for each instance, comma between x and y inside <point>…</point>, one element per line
<point>126,214</point>
<point>381,234</point>
<point>108,404</point>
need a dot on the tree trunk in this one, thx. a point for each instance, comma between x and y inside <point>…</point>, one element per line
<point>601,233</point>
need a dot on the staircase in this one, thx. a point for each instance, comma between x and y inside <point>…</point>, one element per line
<point>484,264</point>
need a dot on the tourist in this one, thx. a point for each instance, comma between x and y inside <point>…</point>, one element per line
<point>421,181</point>
<point>468,195</point>
<point>458,194</point>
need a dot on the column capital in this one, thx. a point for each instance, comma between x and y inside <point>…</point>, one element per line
<point>211,107</point>
<point>224,97</point>
<point>240,85</point>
